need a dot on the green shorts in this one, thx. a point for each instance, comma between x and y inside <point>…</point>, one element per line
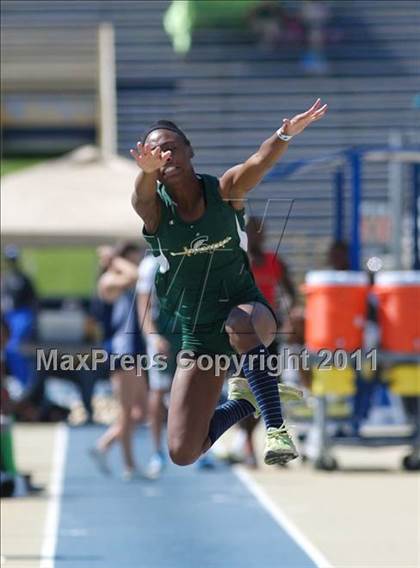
<point>171,330</point>
<point>211,338</point>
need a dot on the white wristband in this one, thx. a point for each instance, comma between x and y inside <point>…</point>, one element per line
<point>282,136</point>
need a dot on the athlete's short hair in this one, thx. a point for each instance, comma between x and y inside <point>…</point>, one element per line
<point>165,125</point>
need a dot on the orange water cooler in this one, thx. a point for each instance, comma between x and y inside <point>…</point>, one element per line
<point>336,309</point>
<point>398,296</point>
<point>336,312</point>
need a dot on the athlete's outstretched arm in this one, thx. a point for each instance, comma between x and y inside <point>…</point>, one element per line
<point>120,276</point>
<point>240,179</point>
<point>144,198</point>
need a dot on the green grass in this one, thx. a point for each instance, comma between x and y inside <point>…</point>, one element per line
<point>62,271</point>
<point>9,165</point>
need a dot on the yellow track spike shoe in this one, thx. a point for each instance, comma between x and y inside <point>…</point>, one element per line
<point>279,446</point>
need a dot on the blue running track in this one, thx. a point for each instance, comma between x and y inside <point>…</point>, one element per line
<point>187,519</point>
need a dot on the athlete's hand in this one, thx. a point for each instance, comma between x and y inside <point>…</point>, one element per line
<point>150,160</point>
<point>295,125</point>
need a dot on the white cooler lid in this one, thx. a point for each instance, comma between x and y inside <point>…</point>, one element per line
<point>337,277</point>
<point>398,277</point>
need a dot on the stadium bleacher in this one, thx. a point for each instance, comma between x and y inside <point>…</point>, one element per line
<point>229,96</point>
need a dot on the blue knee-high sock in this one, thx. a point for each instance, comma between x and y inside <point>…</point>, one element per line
<point>228,414</point>
<point>263,386</point>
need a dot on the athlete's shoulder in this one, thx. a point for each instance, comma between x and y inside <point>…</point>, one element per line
<point>212,184</point>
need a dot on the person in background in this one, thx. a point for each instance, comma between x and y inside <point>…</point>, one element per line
<point>12,482</point>
<point>315,16</point>
<point>8,468</point>
<point>338,256</point>
<point>270,272</point>
<point>162,338</point>
<point>35,405</point>
<point>274,25</point>
<point>19,306</point>
<point>100,310</point>
<point>273,279</point>
<point>293,331</point>
<point>99,332</point>
<point>117,286</point>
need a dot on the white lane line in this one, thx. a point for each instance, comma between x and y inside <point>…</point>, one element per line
<point>290,528</point>
<point>55,491</point>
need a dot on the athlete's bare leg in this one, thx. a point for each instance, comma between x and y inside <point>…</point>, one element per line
<point>126,388</point>
<point>249,325</point>
<point>157,416</point>
<point>195,393</point>
<point>138,414</point>
<point>194,397</point>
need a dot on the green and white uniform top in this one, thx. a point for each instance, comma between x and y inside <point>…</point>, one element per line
<point>204,269</point>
